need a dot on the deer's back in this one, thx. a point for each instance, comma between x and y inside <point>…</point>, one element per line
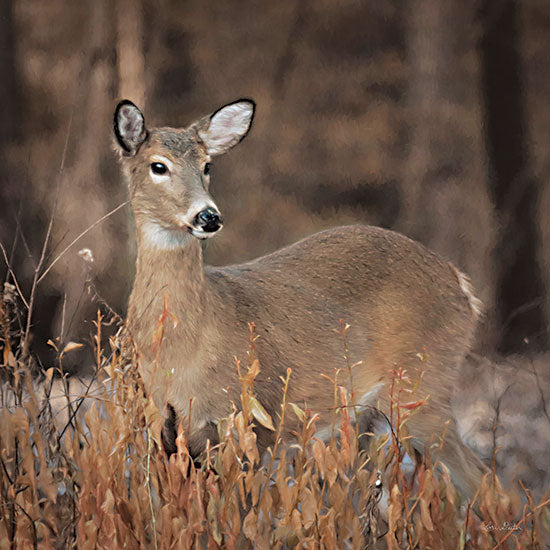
<point>399,298</point>
<point>339,270</point>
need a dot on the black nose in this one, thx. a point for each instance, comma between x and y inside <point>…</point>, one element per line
<point>208,220</point>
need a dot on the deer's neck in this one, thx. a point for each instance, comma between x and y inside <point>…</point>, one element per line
<point>170,298</point>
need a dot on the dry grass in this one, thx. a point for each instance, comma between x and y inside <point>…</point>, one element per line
<point>92,473</point>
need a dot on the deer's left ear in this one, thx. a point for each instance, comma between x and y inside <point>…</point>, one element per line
<point>129,126</point>
<point>227,126</point>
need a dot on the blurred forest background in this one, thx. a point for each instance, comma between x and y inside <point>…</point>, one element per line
<point>428,117</point>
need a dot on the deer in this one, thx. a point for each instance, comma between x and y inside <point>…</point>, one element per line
<point>398,298</point>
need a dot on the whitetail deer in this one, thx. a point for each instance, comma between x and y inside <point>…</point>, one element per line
<point>399,298</point>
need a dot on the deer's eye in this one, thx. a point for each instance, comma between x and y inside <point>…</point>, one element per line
<point>159,168</point>
<point>207,167</point>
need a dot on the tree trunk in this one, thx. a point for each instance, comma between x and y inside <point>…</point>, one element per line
<point>535,45</point>
<point>519,288</point>
<point>10,116</point>
<point>84,199</point>
<point>446,198</point>
<point>130,56</point>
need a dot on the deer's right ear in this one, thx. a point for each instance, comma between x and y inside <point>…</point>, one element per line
<point>129,126</point>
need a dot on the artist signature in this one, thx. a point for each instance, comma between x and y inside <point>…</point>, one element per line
<point>506,526</point>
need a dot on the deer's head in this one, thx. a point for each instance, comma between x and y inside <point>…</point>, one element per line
<point>168,170</point>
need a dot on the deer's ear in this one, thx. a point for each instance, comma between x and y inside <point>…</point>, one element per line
<point>129,126</point>
<point>227,126</point>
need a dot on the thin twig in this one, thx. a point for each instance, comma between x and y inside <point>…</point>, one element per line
<point>148,483</point>
<point>19,291</point>
<point>74,241</point>
<point>33,525</point>
<point>541,392</point>
<point>344,327</point>
<point>277,439</point>
<point>38,268</point>
<point>17,230</point>
<point>520,522</point>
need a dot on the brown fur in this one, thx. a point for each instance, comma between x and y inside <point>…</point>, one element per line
<point>399,298</point>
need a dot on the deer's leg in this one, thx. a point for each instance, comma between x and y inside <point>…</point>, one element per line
<point>197,440</point>
<point>169,431</point>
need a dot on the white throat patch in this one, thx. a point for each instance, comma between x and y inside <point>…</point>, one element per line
<point>162,238</point>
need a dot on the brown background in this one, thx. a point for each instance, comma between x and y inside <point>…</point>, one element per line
<point>429,117</point>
